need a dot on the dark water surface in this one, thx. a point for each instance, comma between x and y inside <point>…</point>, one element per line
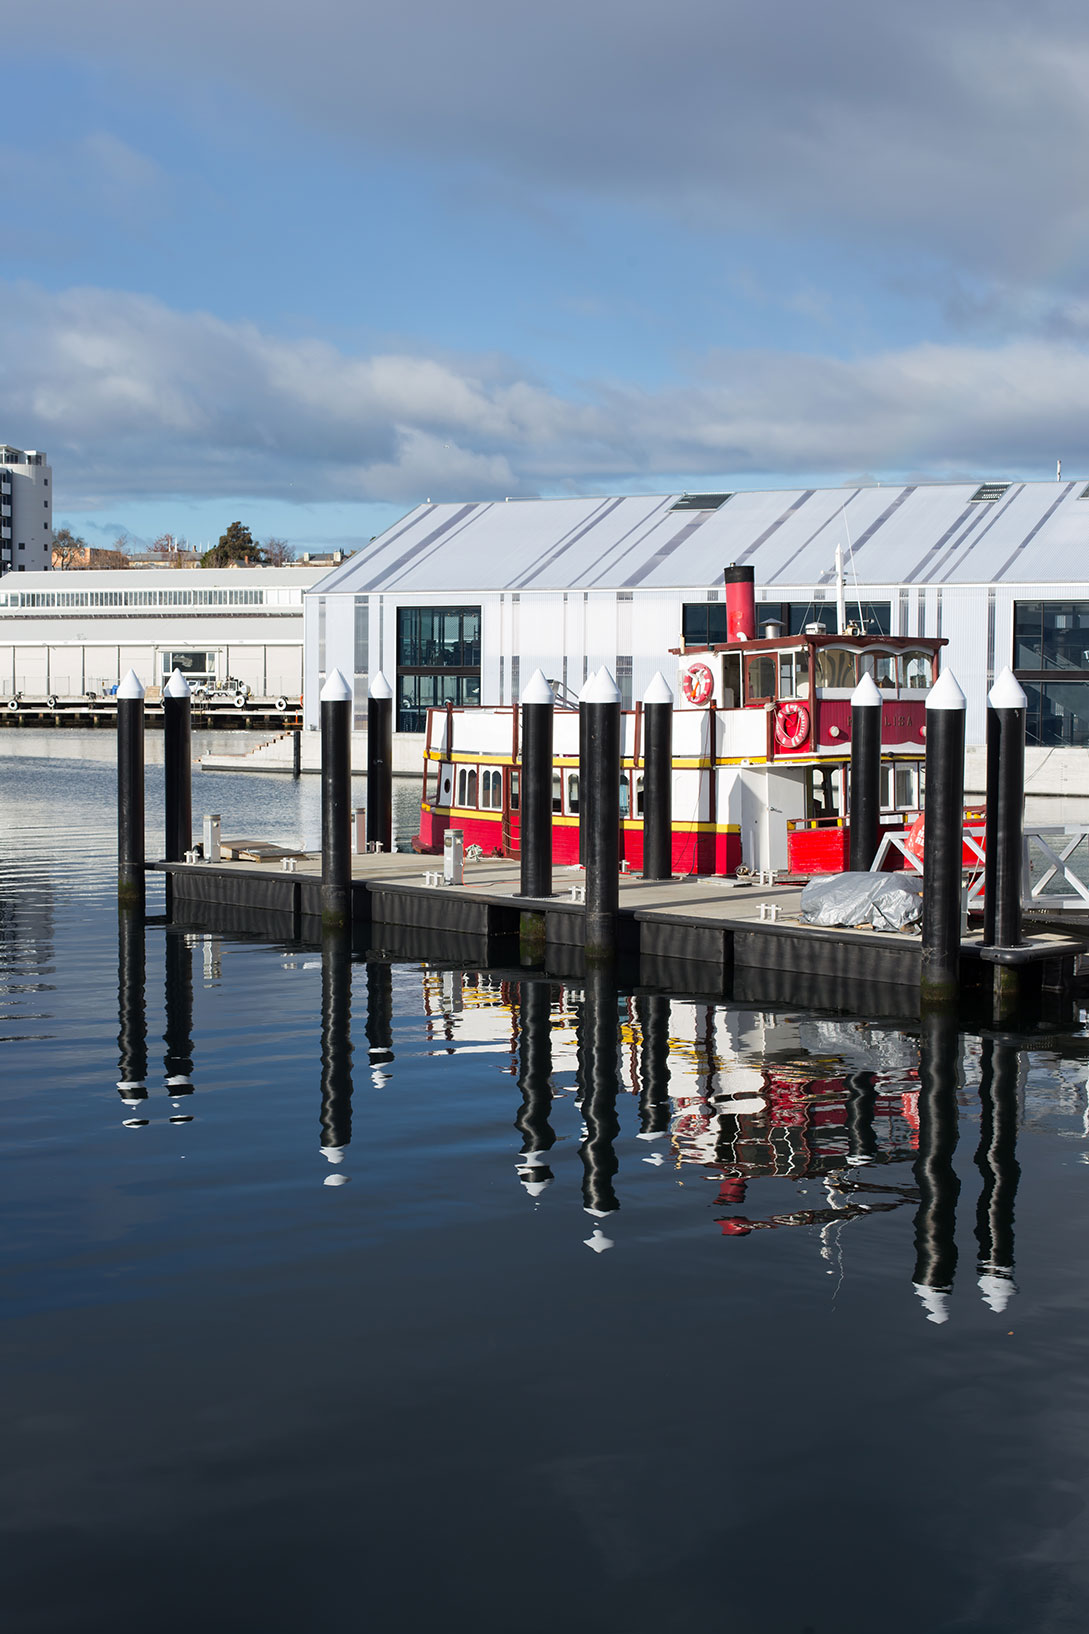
<point>324,1335</point>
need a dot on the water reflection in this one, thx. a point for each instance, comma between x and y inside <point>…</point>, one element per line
<point>535,1082</point>
<point>935,1176</point>
<point>996,1160</point>
<point>131,1012</point>
<point>598,1081</point>
<point>336,1049</point>
<point>178,1031</point>
<point>380,1021</point>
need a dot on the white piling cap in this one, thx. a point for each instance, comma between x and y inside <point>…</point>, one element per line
<point>380,687</point>
<point>866,694</point>
<point>130,687</point>
<point>658,692</point>
<point>177,686</point>
<point>945,693</point>
<point>537,689</point>
<point>600,689</point>
<point>336,689</point>
<point>599,1242</point>
<point>1007,692</point>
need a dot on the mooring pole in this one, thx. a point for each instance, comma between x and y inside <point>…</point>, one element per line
<point>131,1010</point>
<point>336,802</point>
<point>599,784</point>
<point>380,763</point>
<point>658,779</point>
<point>935,1176</point>
<point>178,1032</point>
<point>336,1046</point>
<point>535,1082</point>
<point>178,766</point>
<point>864,814</point>
<point>296,753</point>
<point>1007,711</point>
<point>943,841</point>
<point>536,787</point>
<point>130,792</point>
<point>597,1038</point>
<point>996,1160</point>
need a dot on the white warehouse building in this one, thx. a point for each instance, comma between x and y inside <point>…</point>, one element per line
<point>460,602</point>
<point>26,511</point>
<point>66,634</point>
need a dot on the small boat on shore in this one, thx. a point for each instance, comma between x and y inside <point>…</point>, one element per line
<point>761,751</point>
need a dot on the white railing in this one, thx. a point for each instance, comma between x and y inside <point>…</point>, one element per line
<point>973,844</point>
<point>1064,846</point>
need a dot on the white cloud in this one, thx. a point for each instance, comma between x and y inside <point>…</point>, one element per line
<point>131,397</point>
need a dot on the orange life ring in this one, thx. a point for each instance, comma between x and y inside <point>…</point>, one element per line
<point>791,725</point>
<point>697,683</point>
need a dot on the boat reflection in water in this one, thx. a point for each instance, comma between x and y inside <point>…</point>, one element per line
<point>770,1107</point>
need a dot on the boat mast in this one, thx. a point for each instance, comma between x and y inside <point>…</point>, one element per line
<point>841,595</point>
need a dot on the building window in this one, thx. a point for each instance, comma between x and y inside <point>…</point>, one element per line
<point>321,635</point>
<point>623,679</point>
<point>1051,660</point>
<point>438,662</point>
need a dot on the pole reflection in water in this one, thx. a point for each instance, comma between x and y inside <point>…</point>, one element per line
<point>178,1031</point>
<point>131,1012</point>
<point>535,1082</point>
<point>862,1144</point>
<point>380,1020</point>
<point>336,1047</point>
<point>597,1041</point>
<point>996,1160</point>
<point>654,1105</point>
<point>939,1187</point>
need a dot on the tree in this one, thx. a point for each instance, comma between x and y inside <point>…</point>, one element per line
<point>277,551</point>
<point>68,548</point>
<point>236,548</point>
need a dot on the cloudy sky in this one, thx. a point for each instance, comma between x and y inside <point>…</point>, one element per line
<point>308,265</point>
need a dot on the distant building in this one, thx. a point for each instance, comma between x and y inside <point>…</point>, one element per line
<point>67,634</point>
<point>26,511</point>
<point>77,558</point>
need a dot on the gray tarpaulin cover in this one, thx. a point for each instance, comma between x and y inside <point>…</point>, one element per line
<point>885,901</point>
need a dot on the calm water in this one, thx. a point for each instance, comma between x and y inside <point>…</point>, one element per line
<point>420,1298</point>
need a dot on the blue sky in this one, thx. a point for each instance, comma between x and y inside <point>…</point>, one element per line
<point>309,267</point>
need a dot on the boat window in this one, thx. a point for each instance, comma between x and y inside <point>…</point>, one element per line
<point>462,785</point>
<point>470,791</point>
<point>514,791</point>
<point>907,787</point>
<point>836,668</point>
<point>801,673</point>
<point>573,793</point>
<point>639,795</point>
<point>786,675</point>
<point>760,676</point>
<point>731,680</point>
<point>887,803</point>
<point>432,785</point>
<point>881,665</point>
<point>916,670</point>
<point>825,792</point>
<point>491,790</point>
<point>625,796</point>
<point>557,792</point>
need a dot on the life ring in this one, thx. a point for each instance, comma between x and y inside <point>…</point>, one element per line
<point>697,683</point>
<point>791,725</point>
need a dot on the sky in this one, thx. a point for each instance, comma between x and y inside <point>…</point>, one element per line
<point>309,266</point>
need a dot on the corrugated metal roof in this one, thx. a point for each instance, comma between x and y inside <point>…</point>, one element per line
<point>918,534</point>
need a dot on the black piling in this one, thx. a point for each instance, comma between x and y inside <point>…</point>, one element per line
<point>130,792</point>
<point>380,764</point>
<point>865,793</point>
<point>943,840</point>
<point>336,1046</point>
<point>336,802</point>
<point>535,1083</point>
<point>935,1176</point>
<point>178,1031</point>
<point>658,780</point>
<point>996,1160</point>
<point>599,790</point>
<point>597,1037</point>
<point>535,788</point>
<point>131,1010</point>
<point>178,766</point>
<point>296,753</point>
<point>1007,709</point>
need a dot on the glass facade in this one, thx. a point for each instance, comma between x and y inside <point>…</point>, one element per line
<point>703,623</point>
<point>438,661</point>
<point>1051,660</point>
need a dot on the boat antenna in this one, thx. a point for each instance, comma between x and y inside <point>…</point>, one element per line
<point>854,567</point>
